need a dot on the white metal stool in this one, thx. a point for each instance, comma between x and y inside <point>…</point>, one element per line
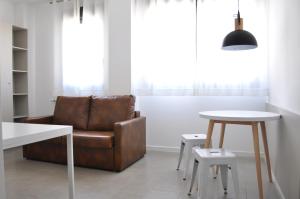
<point>188,141</point>
<point>208,157</point>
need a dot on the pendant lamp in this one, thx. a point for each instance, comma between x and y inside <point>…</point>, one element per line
<point>239,39</point>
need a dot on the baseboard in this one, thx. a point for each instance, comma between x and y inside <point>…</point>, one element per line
<point>163,149</point>
<point>277,187</point>
<point>176,150</point>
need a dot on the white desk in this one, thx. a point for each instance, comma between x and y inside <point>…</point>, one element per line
<point>18,134</point>
<point>243,118</point>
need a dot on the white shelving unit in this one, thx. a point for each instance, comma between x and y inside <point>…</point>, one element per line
<point>20,72</point>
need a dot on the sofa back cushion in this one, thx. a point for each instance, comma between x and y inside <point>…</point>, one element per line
<point>72,111</point>
<point>105,111</point>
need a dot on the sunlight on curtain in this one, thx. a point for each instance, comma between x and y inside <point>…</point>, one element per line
<point>163,49</point>
<point>83,50</point>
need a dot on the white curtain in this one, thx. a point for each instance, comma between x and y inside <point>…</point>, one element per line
<point>164,60</point>
<point>163,47</point>
<point>81,65</point>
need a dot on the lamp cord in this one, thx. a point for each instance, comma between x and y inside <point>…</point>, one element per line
<point>238,15</point>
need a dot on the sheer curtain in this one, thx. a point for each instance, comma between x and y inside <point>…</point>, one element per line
<point>164,60</point>
<point>83,49</point>
<point>163,47</point>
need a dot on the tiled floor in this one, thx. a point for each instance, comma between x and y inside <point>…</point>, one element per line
<point>153,177</point>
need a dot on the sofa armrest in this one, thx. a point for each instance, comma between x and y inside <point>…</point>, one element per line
<point>39,120</point>
<point>130,142</point>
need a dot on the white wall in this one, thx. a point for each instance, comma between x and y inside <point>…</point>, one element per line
<point>118,24</point>
<point>44,58</point>
<point>7,13</point>
<point>15,13</point>
<point>284,66</point>
<point>284,148</point>
<point>284,54</point>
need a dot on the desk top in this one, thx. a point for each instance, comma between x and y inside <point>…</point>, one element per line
<point>18,134</point>
<point>236,115</point>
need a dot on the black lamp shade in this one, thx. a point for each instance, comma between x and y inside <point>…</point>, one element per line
<point>239,40</point>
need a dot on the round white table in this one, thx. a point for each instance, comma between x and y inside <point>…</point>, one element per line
<point>252,118</point>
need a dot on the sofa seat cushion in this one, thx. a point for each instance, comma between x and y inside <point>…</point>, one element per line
<point>72,111</point>
<point>93,139</point>
<point>105,111</point>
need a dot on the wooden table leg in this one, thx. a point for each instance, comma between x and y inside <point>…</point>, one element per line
<point>257,158</point>
<point>221,141</point>
<point>265,141</point>
<point>209,133</point>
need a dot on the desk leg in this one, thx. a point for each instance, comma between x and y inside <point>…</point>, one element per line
<point>257,158</point>
<point>209,133</point>
<point>2,175</point>
<point>265,141</point>
<point>70,166</point>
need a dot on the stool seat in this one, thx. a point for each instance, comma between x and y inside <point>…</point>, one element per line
<point>216,156</point>
<point>187,137</point>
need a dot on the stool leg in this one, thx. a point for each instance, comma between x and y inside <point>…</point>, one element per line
<point>203,181</point>
<point>221,141</point>
<point>224,176</point>
<point>195,168</point>
<point>181,154</point>
<point>187,160</point>
<point>235,179</point>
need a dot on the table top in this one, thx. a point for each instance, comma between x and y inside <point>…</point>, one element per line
<point>239,115</point>
<point>18,134</point>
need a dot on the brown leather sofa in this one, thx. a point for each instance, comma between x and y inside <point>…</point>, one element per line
<point>108,134</point>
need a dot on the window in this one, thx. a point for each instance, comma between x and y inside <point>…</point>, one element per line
<point>168,60</point>
<point>83,50</point>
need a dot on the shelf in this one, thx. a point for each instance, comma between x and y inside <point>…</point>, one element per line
<point>16,48</point>
<point>20,61</point>
<point>19,71</point>
<point>20,94</point>
<point>20,116</point>
<point>20,83</point>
